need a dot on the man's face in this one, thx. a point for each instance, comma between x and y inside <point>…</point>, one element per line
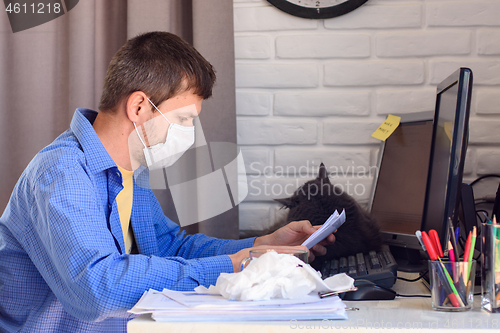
<point>180,109</point>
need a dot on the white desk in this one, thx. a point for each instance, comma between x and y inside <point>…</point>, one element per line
<point>399,315</point>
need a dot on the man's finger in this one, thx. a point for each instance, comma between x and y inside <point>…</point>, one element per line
<point>319,250</point>
<point>328,240</point>
<point>303,226</point>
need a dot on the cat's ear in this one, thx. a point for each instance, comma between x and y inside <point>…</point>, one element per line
<point>323,174</point>
<point>286,202</point>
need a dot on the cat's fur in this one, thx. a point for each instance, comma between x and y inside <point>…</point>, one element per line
<point>317,199</point>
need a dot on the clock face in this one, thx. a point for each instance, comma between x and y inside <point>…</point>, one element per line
<point>314,3</point>
<point>317,9</point>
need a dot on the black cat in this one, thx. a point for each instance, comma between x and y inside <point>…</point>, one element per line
<point>317,199</point>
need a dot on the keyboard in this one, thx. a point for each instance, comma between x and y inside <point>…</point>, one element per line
<point>378,267</point>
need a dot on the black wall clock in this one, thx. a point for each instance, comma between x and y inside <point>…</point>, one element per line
<point>317,9</point>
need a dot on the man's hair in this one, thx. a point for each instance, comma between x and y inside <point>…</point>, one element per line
<point>159,64</point>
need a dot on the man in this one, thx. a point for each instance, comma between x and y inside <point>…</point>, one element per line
<point>80,241</point>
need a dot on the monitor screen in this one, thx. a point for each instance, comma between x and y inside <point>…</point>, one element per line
<point>449,146</point>
<point>496,206</point>
<point>399,188</point>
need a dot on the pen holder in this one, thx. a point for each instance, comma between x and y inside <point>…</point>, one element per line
<point>452,284</point>
<point>490,268</point>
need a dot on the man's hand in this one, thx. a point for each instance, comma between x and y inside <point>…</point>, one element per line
<point>238,257</point>
<point>295,233</point>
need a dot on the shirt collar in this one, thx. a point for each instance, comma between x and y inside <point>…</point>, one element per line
<point>97,156</point>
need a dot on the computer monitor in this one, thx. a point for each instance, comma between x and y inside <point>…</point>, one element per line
<point>398,192</point>
<point>421,166</point>
<point>449,145</point>
<point>496,206</point>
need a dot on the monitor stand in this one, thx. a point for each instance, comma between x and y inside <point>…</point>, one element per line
<point>409,260</point>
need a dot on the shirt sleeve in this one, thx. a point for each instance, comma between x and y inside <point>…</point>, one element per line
<point>69,242</point>
<point>173,242</point>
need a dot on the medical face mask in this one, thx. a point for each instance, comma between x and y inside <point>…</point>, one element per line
<point>164,154</point>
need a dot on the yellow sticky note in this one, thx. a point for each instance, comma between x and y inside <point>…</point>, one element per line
<point>448,129</point>
<point>387,128</point>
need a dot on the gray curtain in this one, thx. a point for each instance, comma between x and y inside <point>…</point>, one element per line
<point>50,70</point>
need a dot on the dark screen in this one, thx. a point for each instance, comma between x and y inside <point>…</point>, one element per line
<point>449,146</point>
<point>437,206</point>
<point>399,197</point>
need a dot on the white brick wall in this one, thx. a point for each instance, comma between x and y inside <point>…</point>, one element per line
<point>276,131</point>
<point>323,46</point>
<point>253,103</point>
<point>374,73</point>
<point>277,75</point>
<point>252,47</point>
<point>380,16</point>
<point>487,101</point>
<point>415,44</point>
<point>463,13</point>
<point>487,42</point>
<point>321,103</point>
<point>400,101</point>
<point>312,91</point>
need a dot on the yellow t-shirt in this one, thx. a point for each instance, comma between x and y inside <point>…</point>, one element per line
<point>124,203</point>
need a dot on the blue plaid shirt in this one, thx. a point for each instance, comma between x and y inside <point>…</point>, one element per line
<point>63,267</point>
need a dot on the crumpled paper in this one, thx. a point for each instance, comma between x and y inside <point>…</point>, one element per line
<point>275,275</point>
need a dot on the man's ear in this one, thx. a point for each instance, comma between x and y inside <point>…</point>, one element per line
<point>138,108</point>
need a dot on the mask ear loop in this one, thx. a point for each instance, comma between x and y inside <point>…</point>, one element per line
<point>139,136</point>
<point>159,110</point>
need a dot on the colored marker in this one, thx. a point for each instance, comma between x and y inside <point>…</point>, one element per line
<point>429,246</point>
<point>418,233</point>
<point>433,235</point>
<point>453,239</point>
<point>460,285</point>
<point>466,253</point>
<point>451,254</point>
<point>471,252</point>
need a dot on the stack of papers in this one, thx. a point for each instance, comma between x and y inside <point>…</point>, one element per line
<point>332,224</point>
<point>171,306</point>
